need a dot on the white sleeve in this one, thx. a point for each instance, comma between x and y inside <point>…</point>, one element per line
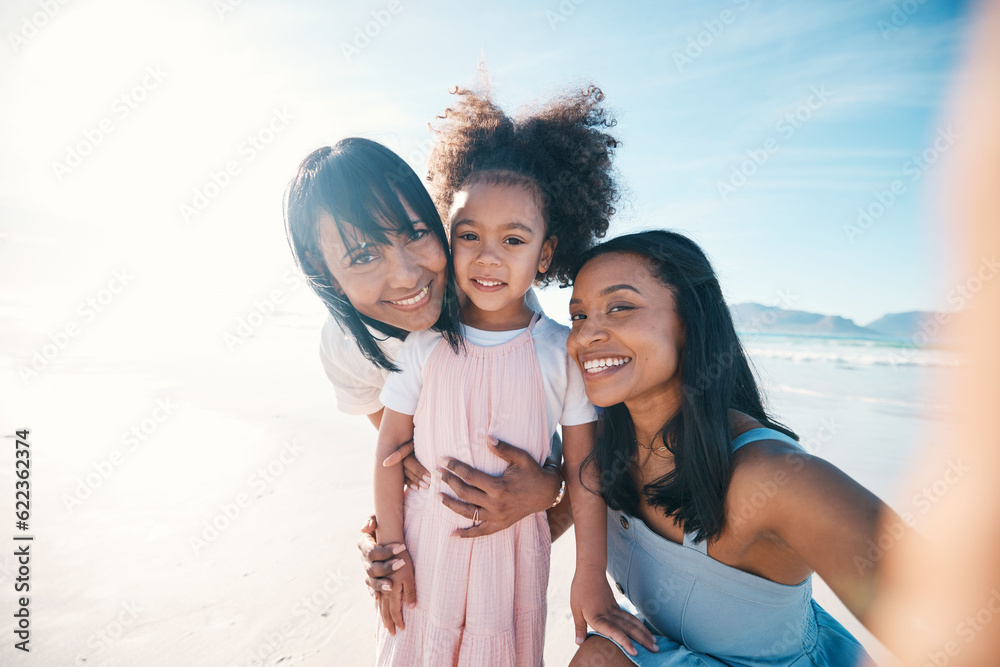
<point>402,390</point>
<point>576,408</point>
<point>356,385</point>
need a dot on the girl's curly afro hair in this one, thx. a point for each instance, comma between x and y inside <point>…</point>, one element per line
<point>561,153</point>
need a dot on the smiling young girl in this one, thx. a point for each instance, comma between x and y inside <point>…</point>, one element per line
<point>523,199</point>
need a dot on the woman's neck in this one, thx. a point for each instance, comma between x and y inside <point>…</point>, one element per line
<point>650,413</point>
<point>515,315</point>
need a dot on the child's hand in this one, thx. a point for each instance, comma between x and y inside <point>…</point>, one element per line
<point>593,603</point>
<point>403,593</point>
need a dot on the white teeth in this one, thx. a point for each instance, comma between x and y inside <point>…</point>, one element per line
<point>412,300</point>
<point>596,365</point>
<point>488,283</point>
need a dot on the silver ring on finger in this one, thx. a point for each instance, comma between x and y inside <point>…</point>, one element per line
<point>475,517</point>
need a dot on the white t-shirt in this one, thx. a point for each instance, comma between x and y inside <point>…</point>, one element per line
<point>565,399</point>
<point>356,381</point>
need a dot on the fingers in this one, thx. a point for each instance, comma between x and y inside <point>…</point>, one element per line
<point>416,475</point>
<point>379,587</point>
<point>380,561</point>
<point>382,569</point>
<point>372,553</point>
<point>580,626</point>
<point>475,478</point>
<point>467,492</point>
<point>395,601</point>
<point>636,630</point>
<point>383,610</point>
<point>401,453</point>
<point>612,630</point>
<point>409,592</point>
<point>480,529</point>
<point>508,452</point>
<point>369,527</point>
<point>459,507</point>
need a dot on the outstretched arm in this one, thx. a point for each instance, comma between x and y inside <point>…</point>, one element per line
<point>591,598</point>
<point>395,429</point>
<point>829,520</point>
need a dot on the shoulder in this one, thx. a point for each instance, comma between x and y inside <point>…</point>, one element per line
<point>417,349</point>
<point>764,459</point>
<point>550,333</point>
<point>782,482</point>
<point>422,339</point>
<point>340,351</point>
<point>767,452</point>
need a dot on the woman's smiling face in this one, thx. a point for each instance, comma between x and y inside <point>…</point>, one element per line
<point>400,282</point>
<point>627,338</point>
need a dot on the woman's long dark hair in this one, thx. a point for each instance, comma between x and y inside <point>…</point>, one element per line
<point>363,184</point>
<point>715,377</point>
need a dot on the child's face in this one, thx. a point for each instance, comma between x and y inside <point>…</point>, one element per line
<point>498,244</point>
<point>400,283</point>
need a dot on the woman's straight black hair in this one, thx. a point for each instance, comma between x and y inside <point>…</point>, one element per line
<point>715,378</point>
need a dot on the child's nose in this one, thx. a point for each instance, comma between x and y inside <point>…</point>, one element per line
<point>488,256</point>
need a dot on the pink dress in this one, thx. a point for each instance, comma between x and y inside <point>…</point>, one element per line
<point>480,601</point>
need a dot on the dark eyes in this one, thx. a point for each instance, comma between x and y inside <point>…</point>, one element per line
<point>472,236</point>
<point>367,255</point>
<point>617,308</point>
<point>363,258</point>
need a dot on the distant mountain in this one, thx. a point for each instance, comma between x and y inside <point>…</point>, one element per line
<point>903,325</point>
<point>756,318</point>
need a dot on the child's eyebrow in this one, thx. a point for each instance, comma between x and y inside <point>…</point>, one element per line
<point>520,226</point>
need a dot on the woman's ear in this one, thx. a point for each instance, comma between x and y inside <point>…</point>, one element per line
<point>548,249</point>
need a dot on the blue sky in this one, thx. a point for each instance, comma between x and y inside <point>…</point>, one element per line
<point>822,107</point>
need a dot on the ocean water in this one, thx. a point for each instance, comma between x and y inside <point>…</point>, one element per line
<point>871,406</point>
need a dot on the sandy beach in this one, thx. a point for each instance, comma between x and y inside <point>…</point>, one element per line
<point>205,512</point>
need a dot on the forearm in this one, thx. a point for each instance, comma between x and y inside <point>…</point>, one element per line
<point>588,508</point>
<point>560,517</point>
<point>388,503</point>
<point>590,523</point>
<point>388,481</point>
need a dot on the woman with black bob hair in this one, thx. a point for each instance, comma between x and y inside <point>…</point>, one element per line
<point>368,192</point>
<point>717,517</point>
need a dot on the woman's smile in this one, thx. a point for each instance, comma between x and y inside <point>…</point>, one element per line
<point>414,302</point>
<point>594,367</point>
